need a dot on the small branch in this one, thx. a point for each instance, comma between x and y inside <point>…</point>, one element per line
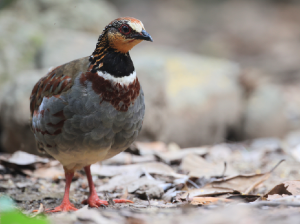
<point>109,199</point>
<point>276,165</point>
<point>193,183</point>
<point>224,171</point>
<point>148,199</point>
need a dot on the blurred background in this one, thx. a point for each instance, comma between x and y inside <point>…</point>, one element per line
<point>217,71</point>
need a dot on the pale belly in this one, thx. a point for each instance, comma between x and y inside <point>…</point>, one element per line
<point>79,159</point>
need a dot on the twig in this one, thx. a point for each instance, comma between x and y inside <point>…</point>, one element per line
<point>262,179</point>
<point>225,167</point>
<point>110,201</point>
<point>258,182</point>
<point>188,197</point>
<point>41,210</point>
<point>276,165</point>
<point>193,183</point>
<point>148,199</point>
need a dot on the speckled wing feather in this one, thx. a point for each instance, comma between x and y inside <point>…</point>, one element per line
<point>57,81</point>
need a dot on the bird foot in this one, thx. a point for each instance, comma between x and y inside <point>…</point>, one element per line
<point>64,207</point>
<point>94,201</point>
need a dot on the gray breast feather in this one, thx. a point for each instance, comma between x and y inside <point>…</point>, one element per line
<point>88,123</point>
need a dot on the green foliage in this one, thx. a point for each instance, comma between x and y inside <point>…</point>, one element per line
<point>15,217</point>
<point>9,215</point>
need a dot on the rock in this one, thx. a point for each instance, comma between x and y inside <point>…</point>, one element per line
<point>87,15</point>
<point>190,99</point>
<point>60,48</point>
<point>264,114</point>
<point>20,45</point>
<point>292,139</point>
<point>14,113</point>
<point>266,144</point>
<point>27,26</point>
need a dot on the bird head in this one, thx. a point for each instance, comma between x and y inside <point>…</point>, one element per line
<point>124,33</point>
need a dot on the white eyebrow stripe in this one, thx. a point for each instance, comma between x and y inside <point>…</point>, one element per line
<point>138,27</point>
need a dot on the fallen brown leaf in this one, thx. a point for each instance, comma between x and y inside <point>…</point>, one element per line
<point>41,210</point>
<point>22,161</point>
<point>151,168</point>
<point>49,173</point>
<point>23,158</point>
<point>178,155</point>
<point>148,147</point>
<point>284,189</point>
<point>125,158</point>
<point>208,200</point>
<point>244,183</point>
<point>199,167</point>
<point>206,191</point>
<point>239,183</point>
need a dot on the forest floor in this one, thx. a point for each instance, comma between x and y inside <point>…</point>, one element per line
<point>249,182</point>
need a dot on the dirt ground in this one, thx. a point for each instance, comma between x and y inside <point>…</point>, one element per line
<point>249,182</point>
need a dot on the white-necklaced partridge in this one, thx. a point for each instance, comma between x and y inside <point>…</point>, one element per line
<point>92,108</point>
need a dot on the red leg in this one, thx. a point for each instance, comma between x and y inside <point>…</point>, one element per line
<point>65,205</point>
<point>93,199</point>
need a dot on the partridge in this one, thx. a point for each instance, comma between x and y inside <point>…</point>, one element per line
<point>92,108</point>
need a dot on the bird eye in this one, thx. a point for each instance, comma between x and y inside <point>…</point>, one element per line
<point>125,29</point>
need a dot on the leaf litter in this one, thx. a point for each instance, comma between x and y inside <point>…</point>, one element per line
<point>166,183</point>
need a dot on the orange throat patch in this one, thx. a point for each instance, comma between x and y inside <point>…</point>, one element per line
<point>118,42</point>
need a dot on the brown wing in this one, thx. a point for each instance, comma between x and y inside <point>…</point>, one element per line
<point>57,81</point>
<point>52,84</point>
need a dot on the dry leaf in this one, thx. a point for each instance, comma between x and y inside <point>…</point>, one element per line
<point>284,198</point>
<point>244,183</point>
<point>124,158</point>
<point>22,161</point>
<point>23,158</point>
<point>240,183</point>
<point>285,188</point>
<point>220,152</point>
<point>130,182</point>
<point>150,147</point>
<point>206,191</point>
<point>178,155</point>
<point>276,196</point>
<point>295,152</point>
<point>151,168</point>
<point>49,173</point>
<point>199,167</point>
<point>207,200</point>
<point>41,210</point>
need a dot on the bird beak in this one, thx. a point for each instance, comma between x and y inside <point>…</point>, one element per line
<point>143,36</point>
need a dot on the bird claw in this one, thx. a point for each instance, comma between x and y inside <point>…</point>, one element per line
<point>95,202</point>
<point>61,208</point>
<point>122,201</point>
